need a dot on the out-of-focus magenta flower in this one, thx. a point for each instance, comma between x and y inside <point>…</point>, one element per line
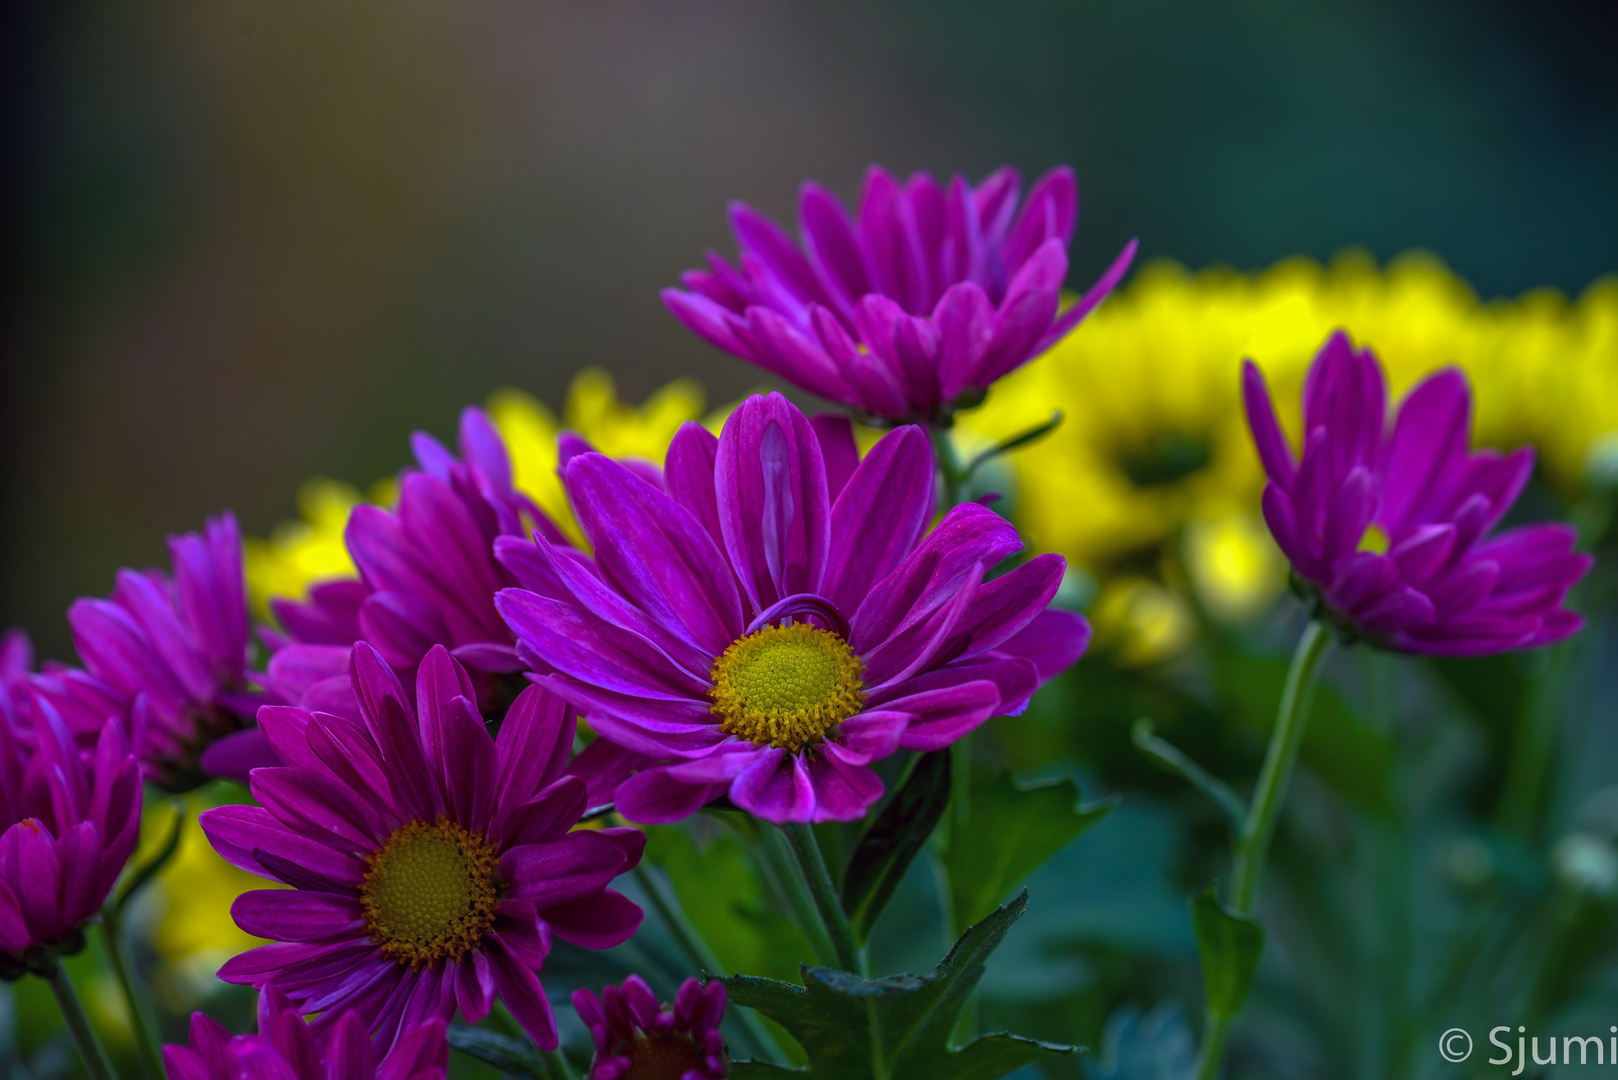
<point>1386,527</point>
<point>174,649</point>
<point>286,1048</point>
<point>908,311</point>
<point>71,820</point>
<point>430,864</point>
<point>779,617</point>
<point>428,574</point>
<point>636,1039</point>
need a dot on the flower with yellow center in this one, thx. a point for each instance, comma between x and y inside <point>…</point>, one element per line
<point>781,614</point>
<point>429,865</point>
<point>1151,472</point>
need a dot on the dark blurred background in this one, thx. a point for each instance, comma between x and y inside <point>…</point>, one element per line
<point>251,242</point>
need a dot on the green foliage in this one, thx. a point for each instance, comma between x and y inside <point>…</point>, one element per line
<point>1347,753</point>
<point>513,1057</point>
<point>724,899</point>
<point>894,1028</point>
<point>1230,945</point>
<point>1007,832</point>
<point>888,847</point>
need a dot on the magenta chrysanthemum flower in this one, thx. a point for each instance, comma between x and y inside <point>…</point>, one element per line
<point>71,820</point>
<point>286,1048</point>
<point>1386,527</point>
<point>427,570</point>
<point>779,618</point>
<point>636,1039</point>
<point>176,651</point>
<point>913,309</point>
<point>431,863</point>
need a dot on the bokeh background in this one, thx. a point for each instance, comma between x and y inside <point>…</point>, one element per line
<point>251,242</point>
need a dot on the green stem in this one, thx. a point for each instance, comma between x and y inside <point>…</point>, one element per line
<point>560,1067</point>
<point>950,470</point>
<point>824,893</point>
<point>1253,845</point>
<point>1279,761</point>
<point>139,1019</point>
<point>95,1062</point>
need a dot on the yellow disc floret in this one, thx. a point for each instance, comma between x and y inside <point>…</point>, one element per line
<point>429,893</point>
<point>786,686</point>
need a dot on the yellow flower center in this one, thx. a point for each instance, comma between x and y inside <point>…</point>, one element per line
<point>661,1057</point>
<point>429,893</point>
<point>786,686</point>
<point>1374,540</point>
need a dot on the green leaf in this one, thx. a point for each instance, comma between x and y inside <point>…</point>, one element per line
<point>1230,946</point>
<point>889,846</point>
<point>1008,831</point>
<point>723,897</point>
<point>502,1051</point>
<point>893,1028</point>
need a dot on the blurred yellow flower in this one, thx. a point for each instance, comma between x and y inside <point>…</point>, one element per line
<point>1152,475</point>
<point>186,913</point>
<point>593,411</point>
<point>299,553</point>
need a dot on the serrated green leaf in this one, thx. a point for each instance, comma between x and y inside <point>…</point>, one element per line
<point>509,1055</point>
<point>892,1028</point>
<point>1230,946</point>
<point>888,847</point>
<point>1009,831</point>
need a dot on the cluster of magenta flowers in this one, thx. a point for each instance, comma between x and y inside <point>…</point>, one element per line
<point>635,1036</point>
<point>757,623</point>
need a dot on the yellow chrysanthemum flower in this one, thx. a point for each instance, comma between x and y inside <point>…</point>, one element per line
<point>593,411</point>
<point>299,553</point>
<point>1152,474</point>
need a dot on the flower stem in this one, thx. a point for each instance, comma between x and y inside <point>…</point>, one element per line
<point>950,470</point>
<point>1253,845</point>
<point>112,938</point>
<point>824,893</point>
<point>78,1025</point>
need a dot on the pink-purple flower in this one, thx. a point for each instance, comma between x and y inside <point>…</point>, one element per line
<point>427,573</point>
<point>71,819</point>
<point>430,863</point>
<point>638,1039</point>
<point>174,649</point>
<point>909,310</point>
<point>287,1048</point>
<point>779,616</point>
<point>1387,525</point>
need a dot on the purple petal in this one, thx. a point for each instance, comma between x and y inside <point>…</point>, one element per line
<point>843,790</point>
<point>660,556</point>
<point>836,436</point>
<point>296,915</point>
<point>773,508</point>
<point>1054,641</point>
<point>520,990</point>
<point>653,797</point>
<point>1274,453</point>
<point>1428,445</point>
<point>879,517</point>
<point>776,787</point>
<point>597,922</point>
<point>573,866</point>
